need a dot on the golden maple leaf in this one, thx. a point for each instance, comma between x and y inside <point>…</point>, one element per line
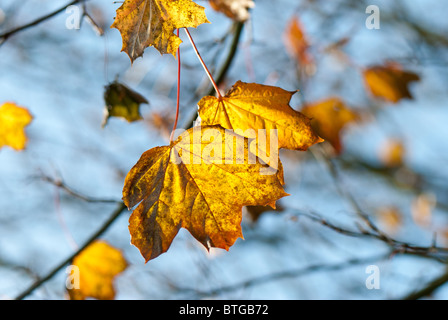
<point>13,120</point>
<point>200,182</point>
<point>98,265</point>
<point>329,118</point>
<point>249,107</point>
<point>144,23</point>
<point>389,82</point>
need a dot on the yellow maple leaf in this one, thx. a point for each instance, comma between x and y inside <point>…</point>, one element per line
<point>249,107</point>
<point>98,265</point>
<point>13,120</point>
<point>200,182</point>
<point>144,23</point>
<point>329,118</point>
<point>389,82</point>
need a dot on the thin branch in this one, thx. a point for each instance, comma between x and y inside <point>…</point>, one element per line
<point>6,35</point>
<point>395,245</point>
<point>61,184</point>
<point>293,273</point>
<point>115,214</point>
<point>428,289</point>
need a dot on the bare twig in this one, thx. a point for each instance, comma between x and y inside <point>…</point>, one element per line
<point>115,214</point>
<point>6,35</point>
<point>62,185</point>
<point>293,273</point>
<point>428,289</point>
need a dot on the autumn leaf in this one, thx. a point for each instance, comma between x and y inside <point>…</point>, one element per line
<point>392,153</point>
<point>256,211</point>
<point>422,208</point>
<point>297,43</point>
<point>237,10</point>
<point>329,118</point>
<point>144,23</point>
<point>391,217</point>
<point>98,265</point>
<point>249,107</point>
<point>13,120</point>
<point>122,102</point>
<point>200,182</point>
<point>389,82</point>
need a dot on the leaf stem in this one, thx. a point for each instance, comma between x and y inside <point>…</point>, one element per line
<point>178,92</point>
<point>203,64</point>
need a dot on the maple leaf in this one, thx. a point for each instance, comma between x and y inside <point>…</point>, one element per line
<point>329,118</point>
<point>200,182</point>
<point>144,23</point>
<point>249,107</point>
<point>13,120</point>
<point>389,82</point>
<point>122,102</point>
<point>98,265</point>
<point>296,42</point>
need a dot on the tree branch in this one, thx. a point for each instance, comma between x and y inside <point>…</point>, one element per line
<point>92,238</point>
<point>6,35</point>
<point>429,289</point>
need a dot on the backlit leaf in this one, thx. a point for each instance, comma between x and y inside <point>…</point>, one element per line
<point>329,118</point>
<point>13,120</point>
<point>297,44</point>
<point>122,102</point>
<point>144,23</point>
<point>235,9</point>
<point>392,153</point>
<point>389,82</point>
<point>98,265</point>
<point>200,182</point>
<point>249,107</point>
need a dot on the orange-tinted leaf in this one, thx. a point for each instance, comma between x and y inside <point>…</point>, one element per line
<point>200,182</point>
<point>421,209</point>
<point>234,9</point>
<point>98,265</point>
<point>389,82</point>
<point>328,118</point>
<point>122,102</point>
<point>249,107</point>
<point>296,42</point>
<point>144,23</point>
<point>392,153</point>
<point>391,218</point>
<point>13,120</point>
<point>256,211</point>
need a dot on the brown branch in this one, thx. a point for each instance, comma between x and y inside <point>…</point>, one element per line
<point>62,185</point>
<point>429,288</point>
<point>293,273</point>
<point>6,35</point>
<point>115,214</point>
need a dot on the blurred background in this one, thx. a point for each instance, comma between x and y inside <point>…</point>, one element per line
<point>380,199</point>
